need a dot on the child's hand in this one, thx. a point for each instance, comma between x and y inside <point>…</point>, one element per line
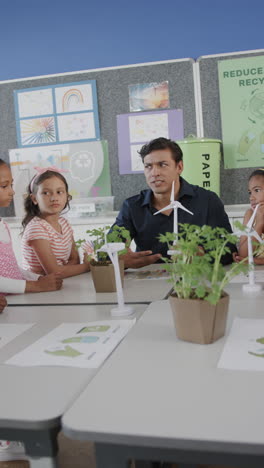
<point>237,258</point>
<point>3,303</point>
<point>51,282</point>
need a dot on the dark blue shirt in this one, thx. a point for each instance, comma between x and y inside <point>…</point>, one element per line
<point>137,215</point>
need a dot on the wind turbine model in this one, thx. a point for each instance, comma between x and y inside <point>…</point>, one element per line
<point>112,249</point>
<point>249,232</point>
<point>175,205</point>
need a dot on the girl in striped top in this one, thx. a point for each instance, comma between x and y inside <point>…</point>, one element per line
<point>47,243</point>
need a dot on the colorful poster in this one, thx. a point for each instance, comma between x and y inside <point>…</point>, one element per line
<point>87,165</point>
<point>134,130</point>
<point>84,345</point>
<point>244,347</point>
<point>241,87</point>
<point>148,96</point>
<point>57,114</point>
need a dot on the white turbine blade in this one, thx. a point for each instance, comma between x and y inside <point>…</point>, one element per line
<point>240,233</point>
<point>257,236</point>
<point>251,220</point>
<point>168,207</point>
<point>172,197</point>
<point>183,207</point>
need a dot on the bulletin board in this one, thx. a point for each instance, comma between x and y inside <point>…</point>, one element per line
<point>233,181</point>
<point>112,86</point>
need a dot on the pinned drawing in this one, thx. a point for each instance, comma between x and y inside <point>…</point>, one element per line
<point>74,127</point>
<point>134,130</point>
<point>148,96</point>
<point>32,103</point>
<point>75,98</point>
<point>86,163</point>
<point>57,113</point>
<point>37,131</point>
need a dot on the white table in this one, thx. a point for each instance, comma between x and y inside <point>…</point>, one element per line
<point>80,290</point>
<point>33,399</point>
<point>167,400</point>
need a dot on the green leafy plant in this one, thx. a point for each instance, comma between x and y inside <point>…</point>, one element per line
<point>114,234</point>
<point>195,269</point>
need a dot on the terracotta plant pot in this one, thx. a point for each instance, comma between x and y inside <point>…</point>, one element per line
<point>104,277</point>
<point>197,320</point>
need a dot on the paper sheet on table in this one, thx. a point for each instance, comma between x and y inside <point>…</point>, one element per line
<point>242,278</point>
<point>9,331</point>
<point>244,348</point>
<point>75,344</point>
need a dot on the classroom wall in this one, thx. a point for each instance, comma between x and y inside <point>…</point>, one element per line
<point>112,93</point>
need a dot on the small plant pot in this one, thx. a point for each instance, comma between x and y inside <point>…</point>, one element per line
<point>197,320</point>
<point>104,276</point>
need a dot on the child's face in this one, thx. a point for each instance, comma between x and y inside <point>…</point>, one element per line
<point>256,190</point>
<point>6,186</point>
<point>51,196</point>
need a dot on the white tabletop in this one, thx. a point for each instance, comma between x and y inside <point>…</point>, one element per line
<point>167,393</point>
<point>36,397</point>
<point>80,290</point>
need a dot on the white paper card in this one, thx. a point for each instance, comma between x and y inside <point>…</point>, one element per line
<point>244,348</point>
<point>75,344</point>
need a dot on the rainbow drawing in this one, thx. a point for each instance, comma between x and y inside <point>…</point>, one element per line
<point>71,98</point>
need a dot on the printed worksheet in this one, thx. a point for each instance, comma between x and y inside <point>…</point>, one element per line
<point>75,344</point>
<point>9,331</point>
<point>244,348</point>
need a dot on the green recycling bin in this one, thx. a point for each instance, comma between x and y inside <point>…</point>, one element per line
<point>201,162</point>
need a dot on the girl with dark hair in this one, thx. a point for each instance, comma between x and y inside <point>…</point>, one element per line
<point>12,278</point>
<point>256,197</point>
<point>47,244</point>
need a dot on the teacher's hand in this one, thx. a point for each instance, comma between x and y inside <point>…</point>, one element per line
<point>139,259</point>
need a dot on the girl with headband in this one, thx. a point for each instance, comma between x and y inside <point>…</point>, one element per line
<point>47,243</point>
<point>12,278</point>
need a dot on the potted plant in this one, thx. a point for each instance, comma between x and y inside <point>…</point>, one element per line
<point>198,302</point>
<point>101,267</point>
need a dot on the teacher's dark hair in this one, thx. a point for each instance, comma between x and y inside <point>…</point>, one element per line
<point>161,144</point>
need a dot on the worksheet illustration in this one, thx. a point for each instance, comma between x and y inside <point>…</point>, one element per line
<point>75,344</point>
<point>244,348</point>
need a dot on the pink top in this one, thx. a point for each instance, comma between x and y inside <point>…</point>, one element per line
<point>8,263</point>
<point>61,244</point>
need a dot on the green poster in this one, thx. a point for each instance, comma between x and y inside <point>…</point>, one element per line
<point>241,87</point>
